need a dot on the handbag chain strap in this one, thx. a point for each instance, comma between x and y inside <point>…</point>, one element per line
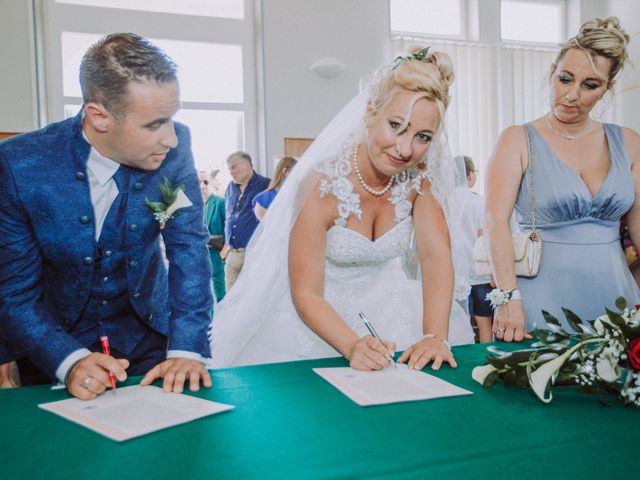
<point>532,197</point>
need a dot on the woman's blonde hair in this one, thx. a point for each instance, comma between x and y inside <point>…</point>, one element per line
<point>284,166</point>
<point>604,38</point>
<point>427,73</point>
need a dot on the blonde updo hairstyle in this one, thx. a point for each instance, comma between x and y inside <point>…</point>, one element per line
<point>430,78</point>
<point>604,38</point>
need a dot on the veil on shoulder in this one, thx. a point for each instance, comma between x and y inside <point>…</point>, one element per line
<point>264,280</point>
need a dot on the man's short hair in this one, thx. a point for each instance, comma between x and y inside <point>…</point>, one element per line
<point>468,165</point>
<point>117,59</point>
<point>240,154</point>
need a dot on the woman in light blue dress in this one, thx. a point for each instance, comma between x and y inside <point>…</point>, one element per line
<point>585,175</point>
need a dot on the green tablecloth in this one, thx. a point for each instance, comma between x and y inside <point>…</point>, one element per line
<point>290,423</point>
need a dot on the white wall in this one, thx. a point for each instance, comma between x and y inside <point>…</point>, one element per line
<point>295,34</point>
<point>18,110</point>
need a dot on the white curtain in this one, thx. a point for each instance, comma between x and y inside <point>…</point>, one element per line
<point>494,87</point>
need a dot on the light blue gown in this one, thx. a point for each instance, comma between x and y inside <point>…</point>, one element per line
<point>583,266</point>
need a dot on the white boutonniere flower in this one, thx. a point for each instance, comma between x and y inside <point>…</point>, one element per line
<point>174,200</point>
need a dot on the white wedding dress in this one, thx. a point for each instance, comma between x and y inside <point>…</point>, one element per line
<point>361,275</point>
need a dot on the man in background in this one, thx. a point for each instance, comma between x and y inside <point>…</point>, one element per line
<point>240,221</point>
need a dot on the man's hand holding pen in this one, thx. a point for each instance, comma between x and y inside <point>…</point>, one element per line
<point>90,376</point>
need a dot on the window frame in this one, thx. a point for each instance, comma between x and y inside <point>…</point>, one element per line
<point>463,27</point>
<point>60,17</point>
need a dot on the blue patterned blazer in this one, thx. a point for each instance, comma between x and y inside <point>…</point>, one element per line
<point>48,248</point>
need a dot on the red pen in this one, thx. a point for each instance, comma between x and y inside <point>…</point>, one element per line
<point>107,351</point>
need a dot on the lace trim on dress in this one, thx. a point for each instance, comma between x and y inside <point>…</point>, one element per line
<point>336,183</point>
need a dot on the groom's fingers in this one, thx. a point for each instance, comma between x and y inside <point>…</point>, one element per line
<point>176,371</point>
<point>152,375</point>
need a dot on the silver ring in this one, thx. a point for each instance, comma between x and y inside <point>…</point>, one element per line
<point>500,330</point>
<point>86,382</point>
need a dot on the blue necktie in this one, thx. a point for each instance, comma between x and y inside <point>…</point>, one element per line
<point>116,216</point>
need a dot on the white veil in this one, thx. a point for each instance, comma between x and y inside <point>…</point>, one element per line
<point>264,279</point>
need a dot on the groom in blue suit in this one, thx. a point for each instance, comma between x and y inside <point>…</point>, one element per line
<point>80,256</point>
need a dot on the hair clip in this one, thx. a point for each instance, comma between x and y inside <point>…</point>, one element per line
<point>420,56</point>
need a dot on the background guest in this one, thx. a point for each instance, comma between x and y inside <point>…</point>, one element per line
<point>582,180</point>
<point>240,221</point>
<point>262,201</point>
<point>214,222</point>
<point>472,222</point>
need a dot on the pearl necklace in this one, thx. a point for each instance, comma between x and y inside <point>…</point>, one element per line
<point>564,135</point>
<point>376,193</point>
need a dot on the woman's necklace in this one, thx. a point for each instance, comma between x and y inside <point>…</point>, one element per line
<point>564,135</point>
<point>376,193</point>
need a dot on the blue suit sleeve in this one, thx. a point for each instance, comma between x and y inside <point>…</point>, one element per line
<point>27,326</point>
<point>185,237</point>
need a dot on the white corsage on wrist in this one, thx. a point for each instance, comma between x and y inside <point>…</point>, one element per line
<point>499,297</point>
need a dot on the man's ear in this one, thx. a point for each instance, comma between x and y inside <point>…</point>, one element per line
<point>98,116</point>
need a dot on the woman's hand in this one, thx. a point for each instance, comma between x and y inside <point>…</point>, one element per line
<point>367,353</point>
<point>508,323</point>
<point>426,350</point>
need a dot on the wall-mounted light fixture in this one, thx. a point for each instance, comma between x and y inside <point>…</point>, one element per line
<point>328,68</point>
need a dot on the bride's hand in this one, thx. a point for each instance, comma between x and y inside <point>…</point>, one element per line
<point>368,354</point>
<point>426,350</point>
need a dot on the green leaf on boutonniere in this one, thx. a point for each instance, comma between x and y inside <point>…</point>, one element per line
<point>173,200</point>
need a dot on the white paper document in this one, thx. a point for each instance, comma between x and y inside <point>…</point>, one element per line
<point>134,411</point>
<point>389,385</point>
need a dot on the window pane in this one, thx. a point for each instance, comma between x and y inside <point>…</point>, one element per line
<point>208,72</point>
<point>214,135</point>
<point>206,8</point>
<point>73,47</point>
<point>217,80</point>
<point>70,110</point>
<point>531,21</point>
<point>439,17</point>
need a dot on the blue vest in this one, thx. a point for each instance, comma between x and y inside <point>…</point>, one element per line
<point>108,310</point>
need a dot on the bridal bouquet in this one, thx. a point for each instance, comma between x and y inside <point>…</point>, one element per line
<point>602,356</point>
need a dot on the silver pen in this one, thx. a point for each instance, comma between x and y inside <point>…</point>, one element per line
<point>374,334</point>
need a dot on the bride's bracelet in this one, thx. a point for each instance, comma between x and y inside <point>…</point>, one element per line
<point>443,340</point>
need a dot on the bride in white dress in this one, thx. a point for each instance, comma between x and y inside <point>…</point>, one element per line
<point>337,239</point>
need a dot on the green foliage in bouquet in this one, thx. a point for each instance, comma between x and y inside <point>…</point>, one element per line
<point>601,355</point>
